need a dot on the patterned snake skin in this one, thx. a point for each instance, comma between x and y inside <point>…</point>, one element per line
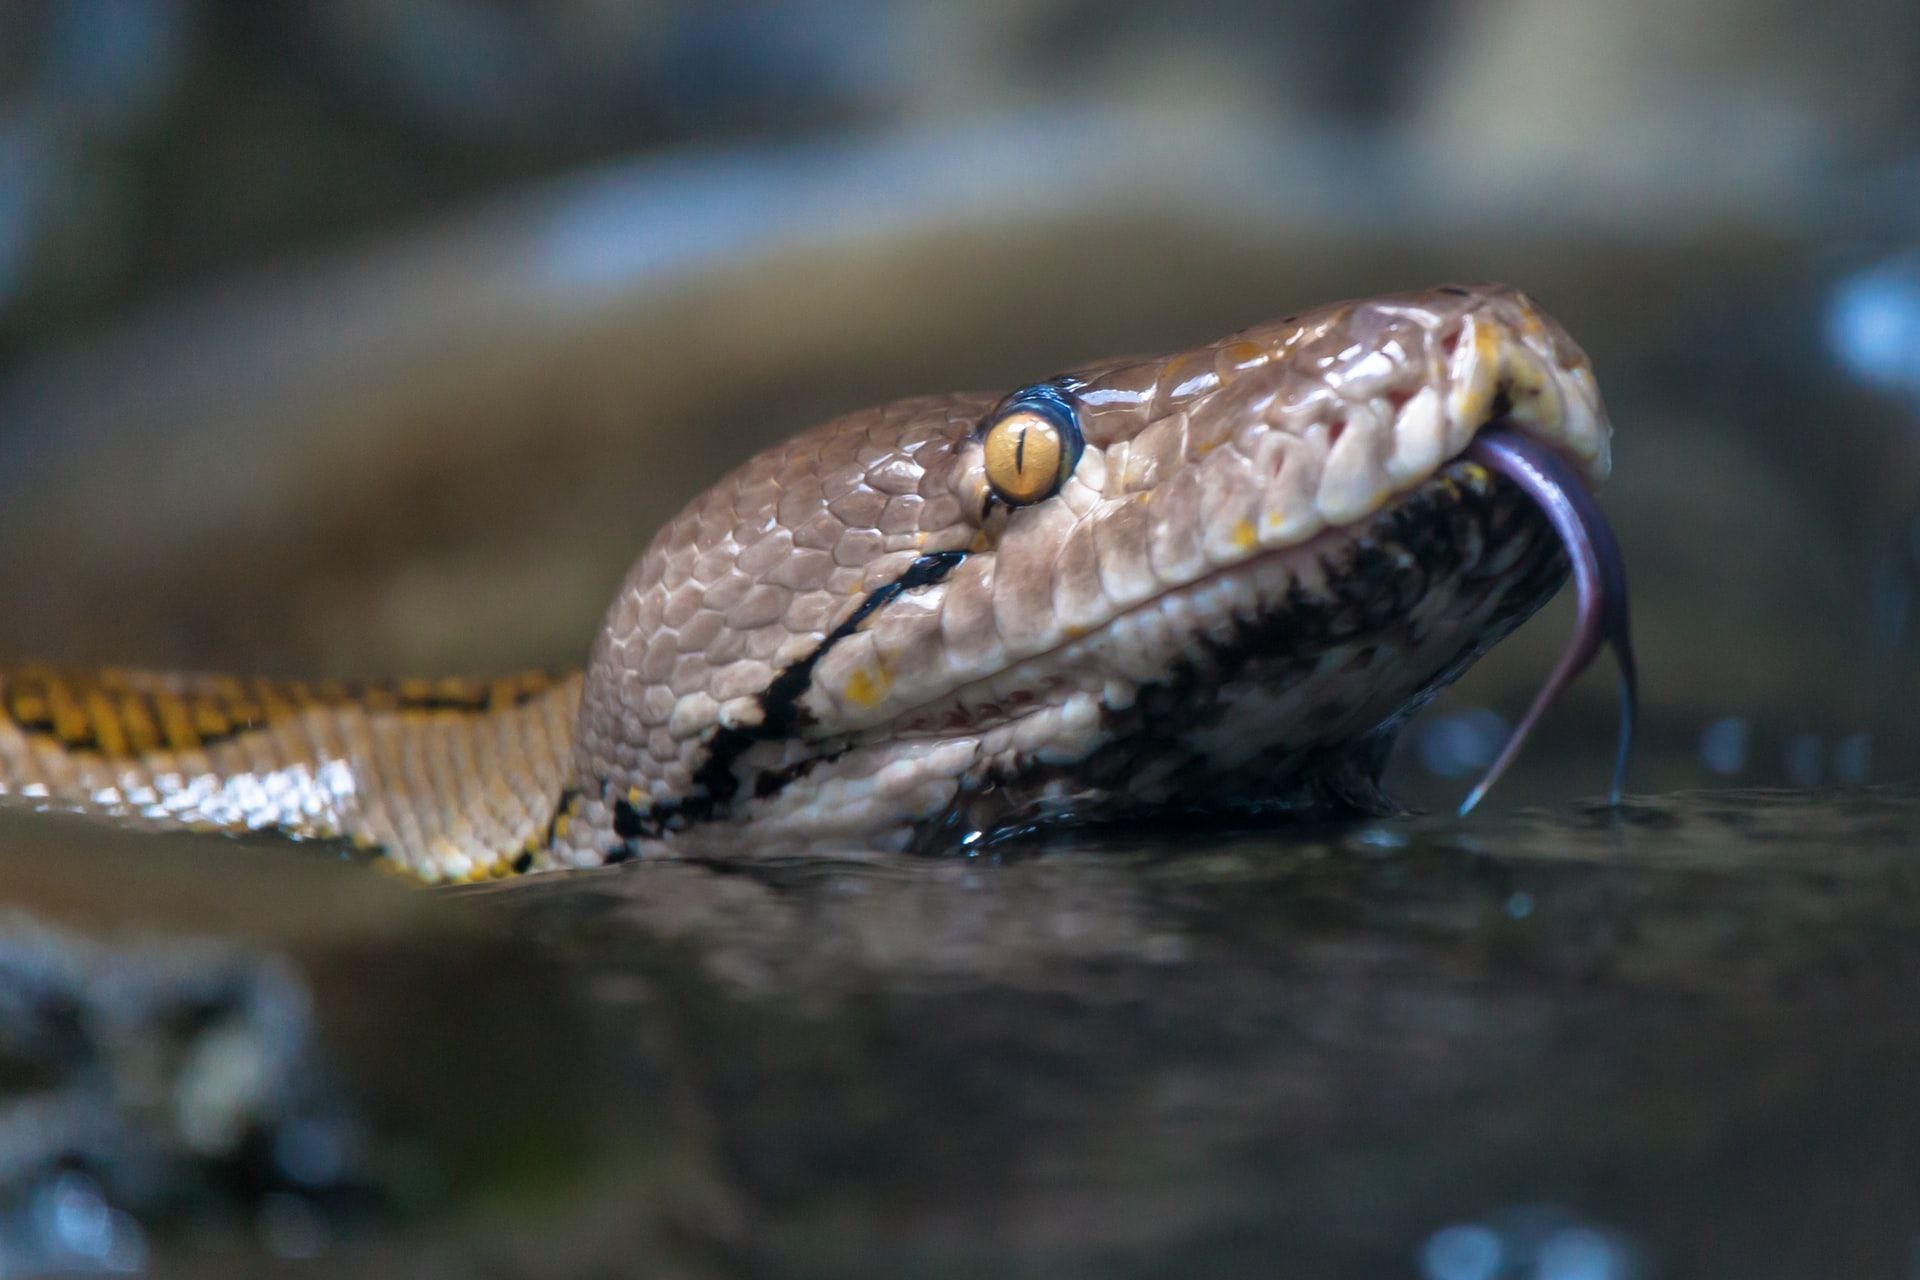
<point>1264,554</point>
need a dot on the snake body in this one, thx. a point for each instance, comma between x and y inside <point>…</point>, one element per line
<point>1258,557</point>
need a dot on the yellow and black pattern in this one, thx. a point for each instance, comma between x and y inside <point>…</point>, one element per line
<point>450,779</point>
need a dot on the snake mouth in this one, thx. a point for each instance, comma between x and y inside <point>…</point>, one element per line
<point>1600,585</point>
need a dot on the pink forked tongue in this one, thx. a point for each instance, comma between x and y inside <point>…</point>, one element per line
<point>1599,581</point>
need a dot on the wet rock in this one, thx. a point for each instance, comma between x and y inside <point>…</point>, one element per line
<point>155,1080</point>
<point>267,1052</point>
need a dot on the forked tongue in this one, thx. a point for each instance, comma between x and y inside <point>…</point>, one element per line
<point>1599,582</point>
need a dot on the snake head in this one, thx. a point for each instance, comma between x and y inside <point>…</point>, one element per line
<point>1211,582</point>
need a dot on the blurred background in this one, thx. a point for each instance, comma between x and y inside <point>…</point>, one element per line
<point>378,336</point>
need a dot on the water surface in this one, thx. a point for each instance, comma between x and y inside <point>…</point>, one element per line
<point>1674,1039</point>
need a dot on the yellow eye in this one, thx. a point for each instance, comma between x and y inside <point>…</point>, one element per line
<point>1031,449</point>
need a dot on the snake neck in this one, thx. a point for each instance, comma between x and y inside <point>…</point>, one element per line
<point>448,780</point>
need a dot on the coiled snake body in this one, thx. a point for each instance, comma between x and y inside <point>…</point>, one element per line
<point>1212,581</point>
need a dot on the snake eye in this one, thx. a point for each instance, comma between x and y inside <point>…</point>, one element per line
<point>1032,445</point>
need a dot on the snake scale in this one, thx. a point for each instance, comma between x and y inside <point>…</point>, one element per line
<point>1209,583</point>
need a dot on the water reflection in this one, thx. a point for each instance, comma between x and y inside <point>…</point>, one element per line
<point>1873,324</point>
<point>1853,758</point>
<point>171,1080</point>
<point>67,1227</point>
<point>1533,1243</point>
<point>1461,744</point>
<point>1723,745</point>
<point>1805,759</point>
<point>1206,1052</point>
<point>1685,1020</point>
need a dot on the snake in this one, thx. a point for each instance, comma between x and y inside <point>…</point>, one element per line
<point>1199,586</point>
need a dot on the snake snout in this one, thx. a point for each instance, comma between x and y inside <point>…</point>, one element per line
<point>1513,364</point>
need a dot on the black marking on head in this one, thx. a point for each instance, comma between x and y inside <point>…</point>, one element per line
<point>781,715</point>
<point>1455,290</point>
<point>524,863</point>
<point>625,851</point>
<point>773,781</point>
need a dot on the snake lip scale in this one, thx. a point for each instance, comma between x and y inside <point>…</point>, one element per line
<point>1208,583</point>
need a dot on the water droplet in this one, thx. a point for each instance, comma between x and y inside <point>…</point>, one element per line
<point>1723,745</point>
<point>1520,904</point>
<point>1465,1251</point>
<point>78,1217</point>
<point>1378,837</point>
<point>83,1232</point>
<point>1461,743</point>
<point>1853,758</point>
<point>1581,1253</point>
<point>1873,324</point>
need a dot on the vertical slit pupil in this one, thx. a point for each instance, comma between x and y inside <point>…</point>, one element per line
<point>1043,409</point>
